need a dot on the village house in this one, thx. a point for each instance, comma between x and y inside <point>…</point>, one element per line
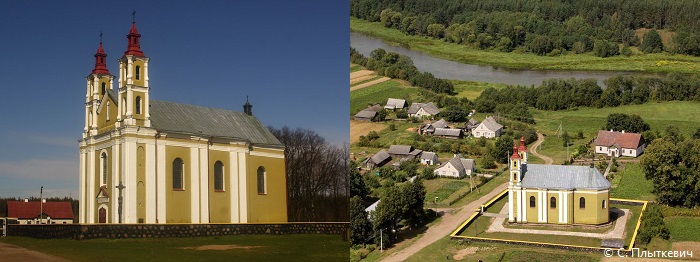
<point>428,158</point>
<point>470,125</point>
<point>456,167</point>
<point>368,113</point>
<point>421,110</point>
<point>555,194</point>
<point>28,212</point>
<point>393,104</point>
<point>451,133</point>
<point>377,160</point>
<point>616,144</point>
<point>429,129</point>
<point>488,128</point>
<point>400,151</point>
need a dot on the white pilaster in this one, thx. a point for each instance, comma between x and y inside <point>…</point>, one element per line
<point>233,175</point>
<point>194,184</point>
<point>150,182</point>
<point>90,198</point>
<point>524,206</point>
<point>130,201</point>
<point>145,78</point>
<point>161,182</point>
<point>545,208</point>
<point>539,206</point>
<point>560,207</point>
<point>204,184</point>
<point>116,176</point>
<point>242,187</point>
<point>510,205</point>
<point>81,200</point>
<point>566,207</point>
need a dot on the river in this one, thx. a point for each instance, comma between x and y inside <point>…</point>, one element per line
<point>447,69</point>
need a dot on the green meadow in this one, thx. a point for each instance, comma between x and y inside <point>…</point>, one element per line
<point>378,94</point>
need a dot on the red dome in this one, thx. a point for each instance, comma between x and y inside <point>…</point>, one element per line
<point>100,63</point>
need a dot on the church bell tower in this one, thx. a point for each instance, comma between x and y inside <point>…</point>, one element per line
<point>133,83</point>
<point>99,82</point>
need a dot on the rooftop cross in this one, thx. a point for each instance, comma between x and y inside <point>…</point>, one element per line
<point>133,16</point>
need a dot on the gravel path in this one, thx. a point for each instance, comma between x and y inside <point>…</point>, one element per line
<point>447,224</point>
<point>533,149</point>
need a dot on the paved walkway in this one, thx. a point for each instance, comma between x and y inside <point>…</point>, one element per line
<point>447,224</point>
<point>533,150</point>
<point>14,253</point>
<point>617,232</point>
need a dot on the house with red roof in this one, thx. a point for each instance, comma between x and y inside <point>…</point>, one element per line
<point>26,212</point>
<point>613,143</point>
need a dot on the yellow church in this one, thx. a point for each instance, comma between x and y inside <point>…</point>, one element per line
<point>555,194</point>
<point>151,161</point>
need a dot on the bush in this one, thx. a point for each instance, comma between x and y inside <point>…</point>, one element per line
<point>488,162</point>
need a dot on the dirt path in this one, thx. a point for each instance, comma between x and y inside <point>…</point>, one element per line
<point>533,149</point>
<point>14,253</point>
<point>449,223</point>
<point>360,73</point>
<point>370,83</point>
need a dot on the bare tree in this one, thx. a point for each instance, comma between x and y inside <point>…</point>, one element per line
<point>317,176</point>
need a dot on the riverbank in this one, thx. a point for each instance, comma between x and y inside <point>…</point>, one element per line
<point>655,63</point>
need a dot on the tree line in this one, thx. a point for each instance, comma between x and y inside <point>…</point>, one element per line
<point>317,176</point>
<point>561,94</point>
<point>540,26</point>
<point>393,65</point>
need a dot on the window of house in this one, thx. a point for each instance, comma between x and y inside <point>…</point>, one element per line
<point>138,105</point>
<point>532,201</point>
<point>138,72</point>
<point>104,88</point>
<point>582,203</point>
<point>178,167</point>
<point>218,176</point>
<point>261,180</point>
<point>603,204</point>
<point>552,202</point>
<point>103,159</point>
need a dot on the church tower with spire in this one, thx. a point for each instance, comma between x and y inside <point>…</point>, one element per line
<point>99,84</point>
<point>133,83</point>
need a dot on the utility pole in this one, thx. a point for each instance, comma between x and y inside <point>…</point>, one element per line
<point>41,205</point>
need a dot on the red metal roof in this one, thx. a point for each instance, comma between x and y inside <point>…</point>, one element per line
<point>134,45</point>
<point>515,152</point>
<point>624,140</point>
<point>24,210</point>
<point>100,64</point>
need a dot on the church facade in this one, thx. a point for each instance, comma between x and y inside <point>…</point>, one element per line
<point>555,194</point>
<point>151,161</point>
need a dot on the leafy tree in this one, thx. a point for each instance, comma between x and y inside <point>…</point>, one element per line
<point>652,42</point>
<point>602,48</point>
<point>454,114</point>
<point>628,123</point>
<point>652,225</point>
<point>357,184</point>
<point>392,126</point>
<point>436,30</point>
<point>673,166</point>
<point>566,139</point>
<point>402,114</point>
<point>360,226</point>
<point>427,173</point>
<point>503,149</point>
<point>488,162</point>
<point>380,116</point>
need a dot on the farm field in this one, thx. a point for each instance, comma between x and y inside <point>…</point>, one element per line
<point>223,248</point>
<point>361,128</point>
<point>379,93</point>
<point>657,63</point>
<point>633,184</point>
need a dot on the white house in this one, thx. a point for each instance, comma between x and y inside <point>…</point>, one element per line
<point>457,167</point>
<point>488,128</point>
<point>421,110</point>
<point>428,158</point>
<point>612,143</point>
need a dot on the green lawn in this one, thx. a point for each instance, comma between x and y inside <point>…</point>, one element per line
<point>660,62</point>
<point>354,68</point>
<point>683,228</point>
<point>246,248</point>
<point>633,184</point>
<point>471,89</point>
<point>378,94</point>
<point>445,190</point>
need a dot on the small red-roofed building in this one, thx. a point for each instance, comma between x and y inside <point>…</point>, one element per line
<point>613,143</point>
<point>27,212</point>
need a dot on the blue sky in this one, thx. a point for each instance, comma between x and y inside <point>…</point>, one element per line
<point>289,57</point>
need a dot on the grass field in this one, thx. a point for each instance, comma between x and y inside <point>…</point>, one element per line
<point>660,62</point>
<point>242,248</point>
<point>378,94</point>
<point>471,89</point>
<point>683,228</point>
<point>446,190</point>
<point>633,184</point>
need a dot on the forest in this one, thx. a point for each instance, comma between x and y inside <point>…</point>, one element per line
<point>544,27</point>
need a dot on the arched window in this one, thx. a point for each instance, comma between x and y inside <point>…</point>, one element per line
<point>178,167</point>
<point>218,176</point>
<point>124,106</point>
<point>261,180</point>
<point>107,110</point>
<point>103,159</point>
<point>138,105</point>
<point>582,203</point>
<point>552,202</point>
<point>138,72</point>
<point>104,88</point>
<point>532,201</point>
<point>603,204</point>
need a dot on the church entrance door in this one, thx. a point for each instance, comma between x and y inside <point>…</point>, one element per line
<point>102,215</point>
